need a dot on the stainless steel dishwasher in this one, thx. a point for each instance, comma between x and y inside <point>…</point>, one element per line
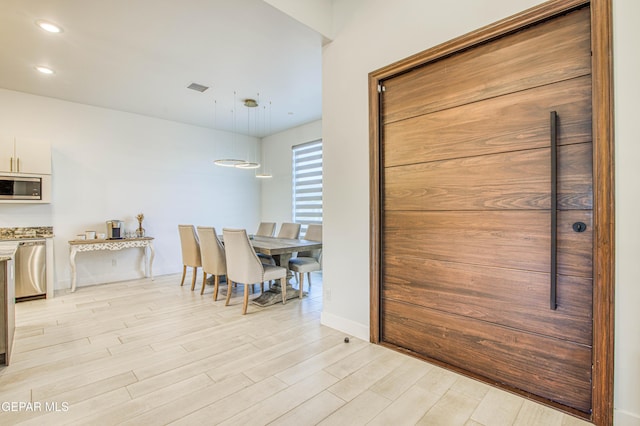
<point>31,277</point>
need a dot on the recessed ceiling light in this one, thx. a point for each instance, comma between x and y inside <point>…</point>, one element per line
<point>44,70</point>
<point>48,26</point>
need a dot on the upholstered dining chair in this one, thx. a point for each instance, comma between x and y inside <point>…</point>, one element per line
<point>213,257</point>
<point>287,230</point>
<point>243,265</point>
<point>266,229</point>
<point>308,261</point>
<point>190,251</point>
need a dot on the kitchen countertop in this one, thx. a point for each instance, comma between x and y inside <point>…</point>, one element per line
<point>26,233</point>
<point>18,239</point>
<point>8,250</point>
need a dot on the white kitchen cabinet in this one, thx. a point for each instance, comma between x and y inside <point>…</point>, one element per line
<point>25,155</point>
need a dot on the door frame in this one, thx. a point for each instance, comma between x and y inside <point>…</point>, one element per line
<point>603,182</point>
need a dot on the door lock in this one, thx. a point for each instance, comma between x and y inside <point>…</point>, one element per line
<point>579,227</point>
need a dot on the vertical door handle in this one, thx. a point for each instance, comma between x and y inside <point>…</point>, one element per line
<point>11,164</point>
<point>554,209</point>
<point>17,164</point>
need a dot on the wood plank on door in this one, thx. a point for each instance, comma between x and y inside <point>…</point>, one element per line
<point>508,297</point>
<point>511,122</point>
<point>517,239</point>
<point>557,50</point>
<point>552,368</point>
<point>511,180</point>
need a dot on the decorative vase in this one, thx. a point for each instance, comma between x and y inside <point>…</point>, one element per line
<point>140,230</point>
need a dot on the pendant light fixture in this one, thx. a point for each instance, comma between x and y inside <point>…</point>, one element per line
<point>228,162</point>
<point>249,103</point>
<point>235,162</point>
<point>264,174</point>
<point>231,162</point>
<point>248,165</point>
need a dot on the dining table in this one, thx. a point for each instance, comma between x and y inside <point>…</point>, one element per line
<point>281,249</point>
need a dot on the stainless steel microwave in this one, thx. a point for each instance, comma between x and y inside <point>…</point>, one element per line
<point>20,188</point>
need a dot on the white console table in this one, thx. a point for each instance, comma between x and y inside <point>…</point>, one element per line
<point>76,246</point>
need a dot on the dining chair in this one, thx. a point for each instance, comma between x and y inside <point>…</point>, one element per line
<point>266,229</point>
<point>287,230</point>
<point>308,261</point>
<point>243,266</point>
<point>213,257</point>
<point>190,252</point>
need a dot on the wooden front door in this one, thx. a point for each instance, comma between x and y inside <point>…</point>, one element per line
<point>470,218</point>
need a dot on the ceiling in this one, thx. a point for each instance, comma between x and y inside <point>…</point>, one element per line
<point>140,55</point>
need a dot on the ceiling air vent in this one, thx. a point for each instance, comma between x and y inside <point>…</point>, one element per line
<point>197,87</point>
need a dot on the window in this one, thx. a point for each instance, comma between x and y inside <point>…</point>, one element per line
<point>307,184</point>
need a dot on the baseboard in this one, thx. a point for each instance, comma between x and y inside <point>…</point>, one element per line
<point>623,418</point>
<point>349,327</point>
<point>65,284</point>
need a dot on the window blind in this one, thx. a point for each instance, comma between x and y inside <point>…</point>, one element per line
<point>307,184</point>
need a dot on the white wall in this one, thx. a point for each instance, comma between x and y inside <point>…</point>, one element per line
<point>277,205</point>
<point>113,165</point>
<point>370,34</point>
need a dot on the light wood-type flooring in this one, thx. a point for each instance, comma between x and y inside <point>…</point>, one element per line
<point>148,352</point>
